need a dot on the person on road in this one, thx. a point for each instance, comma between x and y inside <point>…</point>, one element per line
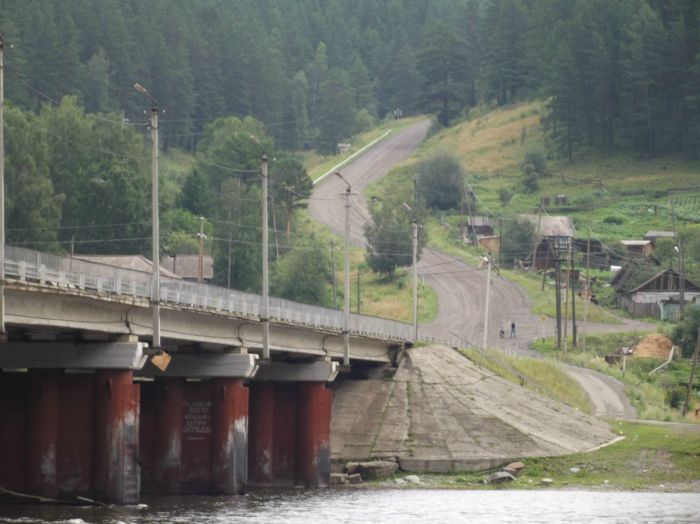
<point>512,329</point>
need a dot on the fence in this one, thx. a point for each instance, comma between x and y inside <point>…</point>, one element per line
<point>45,268</point>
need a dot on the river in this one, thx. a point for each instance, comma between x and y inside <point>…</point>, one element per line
<point>383,506</point>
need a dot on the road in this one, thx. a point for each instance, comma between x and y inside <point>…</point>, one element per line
<point>460,287</point>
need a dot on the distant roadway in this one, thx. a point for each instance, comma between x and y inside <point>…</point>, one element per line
<point>460,287</point>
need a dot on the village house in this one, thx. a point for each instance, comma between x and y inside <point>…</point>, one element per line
<point>187,266</point>
<point>645,291</point>
<point>554,236</point>
<point>638,248</point>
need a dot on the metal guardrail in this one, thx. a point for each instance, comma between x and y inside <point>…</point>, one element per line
<point>46,268</point>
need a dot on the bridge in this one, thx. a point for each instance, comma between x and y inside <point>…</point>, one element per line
<point>85,413</point>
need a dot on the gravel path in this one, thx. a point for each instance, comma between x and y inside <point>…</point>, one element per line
<point>461,287</point>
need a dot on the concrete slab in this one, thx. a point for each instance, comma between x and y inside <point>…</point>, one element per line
<point>441,412</point>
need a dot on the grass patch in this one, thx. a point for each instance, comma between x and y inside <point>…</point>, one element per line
<point>544,377</point>
<point>650,457</point>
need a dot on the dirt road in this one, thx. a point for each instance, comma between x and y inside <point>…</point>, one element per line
<point>461,288</point>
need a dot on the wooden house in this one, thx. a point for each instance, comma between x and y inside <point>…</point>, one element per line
<point>187,266</point>
<point>645,293</point>
<point>554,235</point>
<point>638,248</point>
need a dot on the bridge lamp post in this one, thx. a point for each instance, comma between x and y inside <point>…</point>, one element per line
<point>346,292</point>
<point>155,284</point>
<point>3,333</point>
<point>414,236</point>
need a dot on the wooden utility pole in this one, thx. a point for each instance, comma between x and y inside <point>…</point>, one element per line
<point>228,273</point>
<point>566,296</point>
<point>573,297</point>
<point>3,333</point>
<point>692,374</point>
<point>546,266</point>
<point>587,297</point>
<point>557,291</point>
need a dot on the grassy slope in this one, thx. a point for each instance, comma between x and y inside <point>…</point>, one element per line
<point>649,458</point>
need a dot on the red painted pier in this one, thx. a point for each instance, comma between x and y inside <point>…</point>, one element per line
<point>96,420</point>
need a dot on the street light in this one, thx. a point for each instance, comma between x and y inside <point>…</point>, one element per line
<point>414,236</point>
<point>346,298</point>
<point>155,284</point>
<point>3,333</point>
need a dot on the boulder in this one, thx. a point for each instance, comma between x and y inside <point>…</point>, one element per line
<point>355,478</point>
<point>574,470</point>
<point>377,469</point>
<point>412,479</point>
<point>546,481</point>
<point>514,468</point>
<point>351,467</point>
<point>338,478</point>
<point>499,477</point>
<point>399,481</point>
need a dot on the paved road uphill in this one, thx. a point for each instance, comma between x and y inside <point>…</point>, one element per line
<point>460,287</point>
<point>441,412</point>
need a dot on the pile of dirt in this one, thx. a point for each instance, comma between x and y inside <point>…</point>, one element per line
<point>653,346</point>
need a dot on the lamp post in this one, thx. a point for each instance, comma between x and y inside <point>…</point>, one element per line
<point>346,297</point>
<point>3,333</point>
<point>155,284</point>
<point>414,236</point>
<point>264,314</point>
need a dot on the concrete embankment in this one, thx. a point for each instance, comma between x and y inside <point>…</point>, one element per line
<point>441,412</point>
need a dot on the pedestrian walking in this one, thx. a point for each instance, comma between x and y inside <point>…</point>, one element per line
<point>512,329</point>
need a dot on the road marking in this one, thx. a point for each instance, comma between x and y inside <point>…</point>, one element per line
<point>331,170</point>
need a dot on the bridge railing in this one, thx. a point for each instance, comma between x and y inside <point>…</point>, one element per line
<point>55,270</point>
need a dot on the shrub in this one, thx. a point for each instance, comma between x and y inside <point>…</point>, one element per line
<point>505,195</point>
<point>614,220</point>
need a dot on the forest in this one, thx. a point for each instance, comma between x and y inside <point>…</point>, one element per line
<point>236,79</point>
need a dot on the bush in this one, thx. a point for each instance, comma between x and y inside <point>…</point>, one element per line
<point>615,220</point>
<point>505,195</point>
<point>536,158</point>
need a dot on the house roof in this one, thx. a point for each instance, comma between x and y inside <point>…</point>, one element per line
<point>634,272</point>
<point>480,221</point>
<point>689,286</point>
<point>134,262</point>
<point>659,234</point>
<point>551,226</point>
<point>187,266</point>
<point>632,243</point>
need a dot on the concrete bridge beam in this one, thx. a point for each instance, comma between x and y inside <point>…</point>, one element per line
<point>72,355</point>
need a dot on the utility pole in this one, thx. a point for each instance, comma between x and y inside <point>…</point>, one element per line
<point>558,296</point>
<point>681,261</point>
<point>358,289</point>
<point>587,298</point>
<point>566,296</point>
<point>335,294</point>
<point>573,297</point>
<point>228,274</point>
<point>414,225</point>
<point>3,332</point>
<point>346,298</point>
<point>692,374</point>
<point>200,267</point>
<point>264,316</point>
<point>155,224</point>
<point>484,344</point>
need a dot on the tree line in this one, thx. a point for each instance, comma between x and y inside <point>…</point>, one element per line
<point>622,74</point>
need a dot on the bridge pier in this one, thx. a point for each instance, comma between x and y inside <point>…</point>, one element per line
<point>70,433</point>
<point>289,432</point>
<point>194,425</point>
